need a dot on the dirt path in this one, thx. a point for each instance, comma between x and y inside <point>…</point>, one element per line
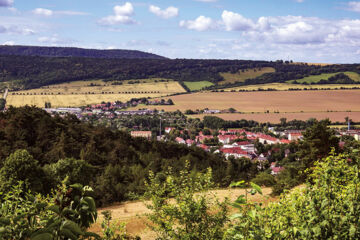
<point>132,213</point>
<point>6,93</point>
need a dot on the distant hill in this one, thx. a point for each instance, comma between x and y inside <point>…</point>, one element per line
<point>75,52</point>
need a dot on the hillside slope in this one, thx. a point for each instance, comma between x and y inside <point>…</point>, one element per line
<point>75,52</point>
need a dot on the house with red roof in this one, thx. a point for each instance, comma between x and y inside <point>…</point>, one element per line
<point>236,152</point>
<point>226,139</point>
<point>203,146</point>
<point>169,129</point>
<point>189,142</point>
<point>275,170</point>
<point>294,136</point>
<point>263,138</point>
<point>180,140</point>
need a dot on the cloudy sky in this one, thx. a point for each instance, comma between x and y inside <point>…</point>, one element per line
<point>301,30</point>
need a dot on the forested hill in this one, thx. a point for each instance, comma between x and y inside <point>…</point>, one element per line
<point>75,52</point>
<point>25,72</point>
<point>110,161</point>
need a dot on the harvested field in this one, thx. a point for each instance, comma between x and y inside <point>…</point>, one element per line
<point>132,213</point>
<point>247,74</point>
<point>275,117</point>
<point>287,86</point>
<point>279,101</point>
<point>83,93</point>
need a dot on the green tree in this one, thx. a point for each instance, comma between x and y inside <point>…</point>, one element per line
<point>193,213</point>
<point>2,103</point>
<point>21,166</point>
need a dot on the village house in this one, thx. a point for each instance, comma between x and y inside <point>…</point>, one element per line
<point>294,136</point>
<point>245,145</point>
<point>169,129</point>
<point>143,134</point>
<point>226,139</point>
<point>266,139</point>
<point>190,142</point>
<point>180,140</point>
<point>275,170</point>
<point>236,152</point>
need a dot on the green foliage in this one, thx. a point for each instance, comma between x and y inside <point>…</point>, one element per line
<point>114,230</point>
<point>182,207</point>
<point>326,208</point>
<point>66,215</point>
<point>2,103</point>
<point>264,179</point>
<point>21,166</point>
<point>76,171</point>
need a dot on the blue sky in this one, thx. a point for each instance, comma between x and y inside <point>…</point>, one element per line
<point>301,30</point>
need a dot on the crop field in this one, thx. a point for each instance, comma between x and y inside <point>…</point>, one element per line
<point>193,86</point>
<point>90,92</point>
<point>287,86</point>
<point>316,78</point>
<point>275,117</point>
<point>247,74</point>
<point>287,101</point>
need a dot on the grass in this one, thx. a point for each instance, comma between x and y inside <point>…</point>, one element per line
<point>80,93</point>
<point>287,86</point>
<point>194,86</point>
<point>316,78</point>
<point>247,74</point>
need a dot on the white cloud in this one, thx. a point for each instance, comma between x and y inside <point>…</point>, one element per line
<point>166,13</point>
<point>199,24</point>
<point>122,15</point>
<point>9,43</point>
<point>43,12</point>
<point>6,3</point>
<point>354,6</point>
<point>236,22</point>
<point>48,12</point>
<point>299,1</point>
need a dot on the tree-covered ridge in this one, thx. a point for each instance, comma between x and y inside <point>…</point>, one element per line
<point>33,71</point>
<point>74,52</point>
<point>112,162</point>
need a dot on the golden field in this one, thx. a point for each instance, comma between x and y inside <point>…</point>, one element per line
<point>279,101</point>
<point>81,93</point>
<point>275,117</point>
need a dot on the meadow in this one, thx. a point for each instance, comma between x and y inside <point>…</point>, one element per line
<point>316,78</point>
<point>82,93</point>
<point>287,86</point>
<point>247,74</point>
<point>194,86</point>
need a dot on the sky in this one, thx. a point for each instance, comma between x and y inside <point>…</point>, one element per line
<point>324,31</point>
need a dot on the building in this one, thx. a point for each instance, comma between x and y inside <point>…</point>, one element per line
<point>169,129</point>
<point>180,140</point>
<point>236,152</point>
<point>143,134</point>
<point>266,139</point>
<point>294,136</point>
<point>275,170</point>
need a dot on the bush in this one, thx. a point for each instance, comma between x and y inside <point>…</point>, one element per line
<point>326,208</point>
<point>193,213</point>
<point>264,179</point>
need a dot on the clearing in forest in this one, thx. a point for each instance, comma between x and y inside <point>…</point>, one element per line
<point>242,75</point>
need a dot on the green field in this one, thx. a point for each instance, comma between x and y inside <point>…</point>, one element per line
<point>316,78</point>
<point>194,86</point>
<point>241,76</point>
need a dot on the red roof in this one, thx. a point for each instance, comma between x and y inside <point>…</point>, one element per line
<point>285,141</point>
<point>179,140</point>
<point>231,137</point>
<point>203,146</point>
<point>243,143</point>
<point>234,151</point>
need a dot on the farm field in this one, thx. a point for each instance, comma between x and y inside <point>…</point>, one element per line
<point>284,101</point>
<point>275,117</point>
<point>247,74</point>
<point>193,86</point>
<point>132,213</point>
<point>287,86</point>
<point>81,93</point>
<point>316,78</point>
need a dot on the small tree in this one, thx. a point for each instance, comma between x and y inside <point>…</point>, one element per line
<point>193,213</point>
